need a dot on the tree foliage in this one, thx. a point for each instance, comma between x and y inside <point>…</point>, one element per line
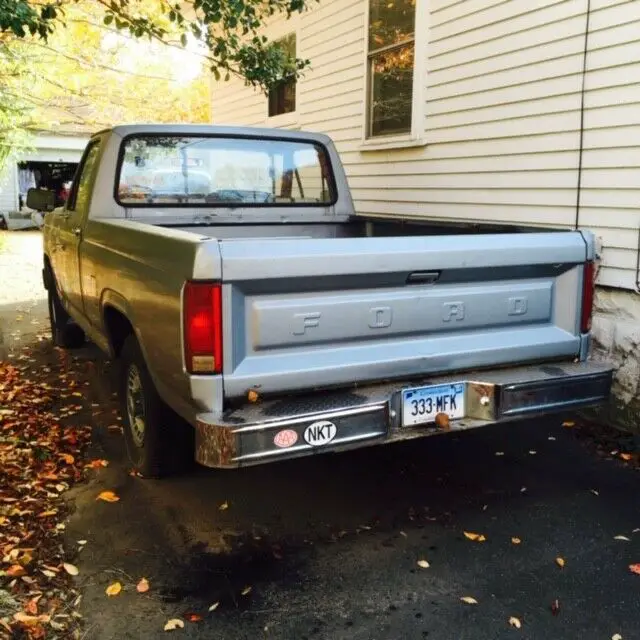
<point>229,29</point>
<point>86,76</point>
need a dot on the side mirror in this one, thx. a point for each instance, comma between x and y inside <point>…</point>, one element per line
<point>41,199</point>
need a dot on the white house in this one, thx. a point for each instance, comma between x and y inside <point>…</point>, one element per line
<point>50,162</point>
<point>480,110</point>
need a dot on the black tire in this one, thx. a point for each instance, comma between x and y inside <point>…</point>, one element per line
<point>158,442</point>
<point>64,332</point>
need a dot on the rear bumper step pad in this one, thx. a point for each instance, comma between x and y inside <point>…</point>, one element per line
<point>341,420</point>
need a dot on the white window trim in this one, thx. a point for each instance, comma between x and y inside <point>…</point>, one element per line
<point>416,137</point>
<point>289,120</point>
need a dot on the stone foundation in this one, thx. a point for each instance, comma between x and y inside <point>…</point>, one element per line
<point>616,333</point>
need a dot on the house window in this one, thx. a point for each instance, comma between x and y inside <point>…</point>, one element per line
<point>282,98</point>
<point>390,61</point>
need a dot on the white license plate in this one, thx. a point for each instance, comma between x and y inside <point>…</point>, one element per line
<point>421,405</point>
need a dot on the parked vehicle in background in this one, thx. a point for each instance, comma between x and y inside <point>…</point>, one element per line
<point>258,317</point>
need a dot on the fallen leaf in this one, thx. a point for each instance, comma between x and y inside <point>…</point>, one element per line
<point>252,396</point>
<point>214,606</point>
<point>551,438</point>
<point>568,424</point>
<point>173,624</point>
<point>71,569</point>
<point>246,591</point>
<point>32,606</point>
<point>82,542</point>
<point>48,514</point>
<point>475,537</point>
<point>595,493</point>
<point>30,621</point>
<point>635,568</point>
<point>515,622</point>
<point>423,564</point>
<point>616,636</point>
<point>97,464</point>
<point>499,453</point>
<point>622,538</point>
<point>192,617</point>
<point>224,506</point>
<point>469,600</point>
<point>515,540</point>
<point>142,586</point>
<point>626,456</point>
<point>15,571</point>
<point>403,534</point>
<point>560,562</point>
<point>68,458</point>
<point>532,452</point>
<point>113,589</point>
<point>555,607</point>
<point>108,496</point>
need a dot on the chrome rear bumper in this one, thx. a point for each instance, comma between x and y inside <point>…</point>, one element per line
<point>369,415</point>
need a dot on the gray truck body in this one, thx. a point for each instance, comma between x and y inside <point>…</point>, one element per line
<point>327,316</point>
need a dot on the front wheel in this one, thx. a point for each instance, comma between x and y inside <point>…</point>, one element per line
<point>158,442</point>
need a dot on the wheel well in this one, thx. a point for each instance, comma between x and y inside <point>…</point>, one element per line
<point>118,328</point>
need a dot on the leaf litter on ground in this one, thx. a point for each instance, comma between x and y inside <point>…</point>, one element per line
<point>41,456</point>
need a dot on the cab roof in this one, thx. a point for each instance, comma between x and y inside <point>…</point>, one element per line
<point>125,130</point>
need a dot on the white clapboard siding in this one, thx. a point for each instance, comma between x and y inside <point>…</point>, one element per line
<point>501,111</point>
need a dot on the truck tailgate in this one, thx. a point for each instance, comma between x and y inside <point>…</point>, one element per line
<point>307,313</point>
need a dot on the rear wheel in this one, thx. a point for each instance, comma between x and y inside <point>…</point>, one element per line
<point>64,332</point>
<point>158,442</point>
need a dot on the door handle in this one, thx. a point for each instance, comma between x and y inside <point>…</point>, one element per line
<point>77,231</point>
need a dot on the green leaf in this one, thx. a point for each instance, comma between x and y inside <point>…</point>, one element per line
<point>108,19</point>
<point>183,39</point>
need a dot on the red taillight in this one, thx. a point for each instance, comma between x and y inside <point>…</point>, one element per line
<point>588,287</point>
<point>202,327</point>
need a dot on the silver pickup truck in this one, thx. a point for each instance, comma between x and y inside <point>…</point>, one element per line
<point>258,317</point>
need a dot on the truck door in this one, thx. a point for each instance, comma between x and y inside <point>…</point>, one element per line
<point>72,225</point>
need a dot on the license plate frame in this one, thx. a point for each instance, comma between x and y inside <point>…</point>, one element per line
<point>427,405</point>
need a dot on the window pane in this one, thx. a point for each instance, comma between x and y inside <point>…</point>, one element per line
<point>82,196</point>
<point>282,98</point>
<point>288,44</point>
<point>391,91</point>
<point>390,22</point>
<point>221,171</point>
